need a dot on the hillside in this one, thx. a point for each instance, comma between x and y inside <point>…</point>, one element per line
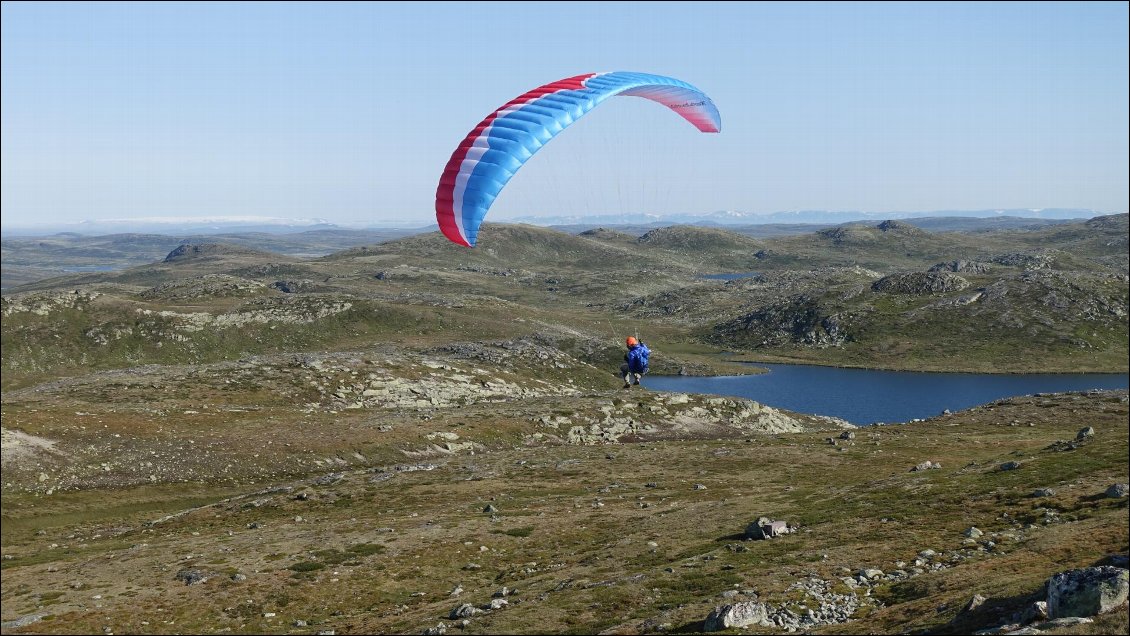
<point>997,305</point>
<point>256,497</point>
<point>27,260</point>
<point>409,433</point>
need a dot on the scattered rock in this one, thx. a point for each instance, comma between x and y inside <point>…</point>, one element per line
<point>1043,492</point>
<point>1010,466</point>
<point>22,621</point>
<point>1069,621</point>
<point>439,630</point>
<point>973,532</point>
<point>191,577</point>
<point>466,610</point>
<point>1084,433</point>
<point>926,465</point>
<point>490,508</point>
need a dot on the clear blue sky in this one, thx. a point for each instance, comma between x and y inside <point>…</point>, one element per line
<point>348,112</point>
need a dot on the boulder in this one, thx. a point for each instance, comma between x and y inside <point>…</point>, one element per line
<point>766,528</point>
<point>737,615</point>
<point>1087,591</point>
<point>191,577</point>
<point>1117,491</point>
<point>466,610</point>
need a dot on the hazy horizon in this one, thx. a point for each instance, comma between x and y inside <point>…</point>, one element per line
<point>215,224</point>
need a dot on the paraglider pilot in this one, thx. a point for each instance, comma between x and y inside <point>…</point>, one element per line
<point>635,362</point>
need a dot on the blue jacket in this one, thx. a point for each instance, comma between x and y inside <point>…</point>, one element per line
<point>637,358</point>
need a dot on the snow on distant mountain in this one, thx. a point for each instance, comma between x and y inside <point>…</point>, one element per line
<point>175,225</point>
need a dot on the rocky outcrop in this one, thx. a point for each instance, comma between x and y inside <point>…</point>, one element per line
<point>1042,259</point>
<point>900,226</point>
<point>214,285</point>
<point>962,267</point>
<point>306,311</point>
<point>681,415</point>
<point>801,320</point>
<point>921,283</point>
<point>188,252</point>
<point>45,303</point>
<point>293,286</point>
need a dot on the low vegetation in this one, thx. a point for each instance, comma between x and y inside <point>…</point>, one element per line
<point>407,433</point>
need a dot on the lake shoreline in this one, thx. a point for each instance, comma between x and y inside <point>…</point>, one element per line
<point>870,396</point>
<point>741,358</point>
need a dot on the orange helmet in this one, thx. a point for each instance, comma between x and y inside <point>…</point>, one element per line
<point>631,341</point>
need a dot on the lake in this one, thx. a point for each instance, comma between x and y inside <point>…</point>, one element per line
<point>864,396</point>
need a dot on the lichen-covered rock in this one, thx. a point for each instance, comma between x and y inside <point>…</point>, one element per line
<point>737,615</point>
<point>1087,591</point>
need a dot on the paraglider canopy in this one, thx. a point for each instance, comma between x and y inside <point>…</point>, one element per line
<point>494,150</point>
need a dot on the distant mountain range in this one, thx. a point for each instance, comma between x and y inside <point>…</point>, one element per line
<point>172,226</point>
<point>735,217</point>
<point>182,226</point>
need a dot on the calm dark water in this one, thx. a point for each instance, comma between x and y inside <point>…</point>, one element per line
<point>862,396</point>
